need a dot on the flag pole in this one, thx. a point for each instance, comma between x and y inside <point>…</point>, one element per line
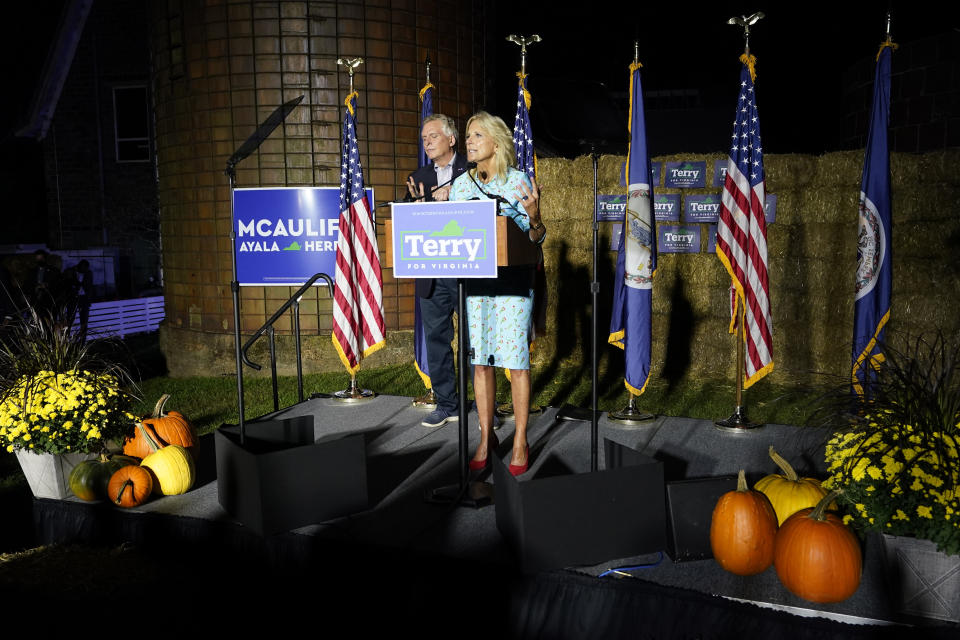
<point>630,414</point>
<point>429,399</point>
<point>737,422</point>
<point>873,284</point>
<point>505,411</point>
<point>352,393</point>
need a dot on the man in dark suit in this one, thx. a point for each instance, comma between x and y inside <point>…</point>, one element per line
<point>438,297</point>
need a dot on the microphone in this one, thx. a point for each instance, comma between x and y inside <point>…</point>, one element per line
<point>473,165</point>
<point>503,205</point>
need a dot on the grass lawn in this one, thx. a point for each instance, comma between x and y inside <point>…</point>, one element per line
<point>212,401</point>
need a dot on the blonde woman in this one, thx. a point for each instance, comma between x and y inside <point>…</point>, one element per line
<point>499,310</point>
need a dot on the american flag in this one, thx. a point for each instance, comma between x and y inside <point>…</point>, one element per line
<point>358,294</point>
<point>522,133</point>
<point>742,231</point>
<point>527,162</point>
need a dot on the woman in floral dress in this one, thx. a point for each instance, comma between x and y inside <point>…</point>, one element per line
<point>499,310</point>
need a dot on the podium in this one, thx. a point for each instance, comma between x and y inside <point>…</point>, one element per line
<point>459,239</point>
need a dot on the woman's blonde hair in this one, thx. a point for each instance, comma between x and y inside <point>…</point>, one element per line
<point>496,128</point>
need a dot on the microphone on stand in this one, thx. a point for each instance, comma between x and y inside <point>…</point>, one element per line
<point>503,205</point>
<point>491,196</point>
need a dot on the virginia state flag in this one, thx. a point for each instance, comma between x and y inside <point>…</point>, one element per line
<point>637,253</point>
<point>871,307</point>
<point>426,110</point>
<point>419,337</point>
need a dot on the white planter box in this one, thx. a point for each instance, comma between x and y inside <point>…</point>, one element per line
<point>925,582</point>
<point>48,474</point>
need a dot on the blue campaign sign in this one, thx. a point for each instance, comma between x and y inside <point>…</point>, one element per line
<point>611,208</point>
<point>770,207</point>
<point>285,235</point>
<point>701,208</point>
<point>666,207</point>
<point>685,175</point>
<point>720,172</point>
<point>445,239</point>
<point>678,239</point>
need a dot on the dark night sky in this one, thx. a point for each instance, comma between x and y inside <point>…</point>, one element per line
<point>802,48</point>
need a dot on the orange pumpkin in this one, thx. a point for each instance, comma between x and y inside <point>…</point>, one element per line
<point>165,429</point>
<point>130,486</point>
<point>742,530</point>
<point>817,557</point>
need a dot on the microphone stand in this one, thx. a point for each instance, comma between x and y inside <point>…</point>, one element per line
<point>469,494</point>
<point>595,292</point>
<point>250,145</point>
<point>575,413</point>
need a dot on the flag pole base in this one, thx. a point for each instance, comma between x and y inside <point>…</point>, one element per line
<point>630,416</point>
<point>426,401</point>
<point>353,393</point>
<point>737,422</point>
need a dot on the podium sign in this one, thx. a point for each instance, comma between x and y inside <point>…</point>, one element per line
<point>444,239</point>
<point>285,235</point>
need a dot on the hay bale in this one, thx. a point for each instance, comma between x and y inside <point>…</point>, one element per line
<point>788,171</point>
<point>906,171</point>
<point>551,172</point>
<point>703,270</point>
<point>839,169</point>
<point>793,356</point>
<point>910,304</point>
<point>939,167</point>
<point>935,203</point>
<point>826,204</point>
<point>812,255</point>
<point>609,170</point>
<point>554,172</point>
<point>712,350</point>
<point>563,203</point>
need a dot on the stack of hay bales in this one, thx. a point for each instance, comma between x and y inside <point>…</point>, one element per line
<point>812,256</point>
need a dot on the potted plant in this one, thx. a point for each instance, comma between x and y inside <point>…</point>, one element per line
<point>896,457</point>
<point>61,401</point>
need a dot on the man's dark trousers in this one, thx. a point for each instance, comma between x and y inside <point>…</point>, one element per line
<point>438,301</point>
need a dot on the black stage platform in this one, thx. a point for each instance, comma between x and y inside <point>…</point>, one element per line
<point>408,563</point>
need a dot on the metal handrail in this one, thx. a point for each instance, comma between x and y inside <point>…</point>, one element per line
<point>267,328</point>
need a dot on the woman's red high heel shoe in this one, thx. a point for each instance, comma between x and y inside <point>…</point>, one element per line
<point>517,469</point>
<point>479,465</point>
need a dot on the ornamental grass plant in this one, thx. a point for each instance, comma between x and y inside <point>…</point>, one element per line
<point>896,451</point>
<point>57,393</point>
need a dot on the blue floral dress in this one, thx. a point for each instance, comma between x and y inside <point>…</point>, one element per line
<point>500,310</point>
